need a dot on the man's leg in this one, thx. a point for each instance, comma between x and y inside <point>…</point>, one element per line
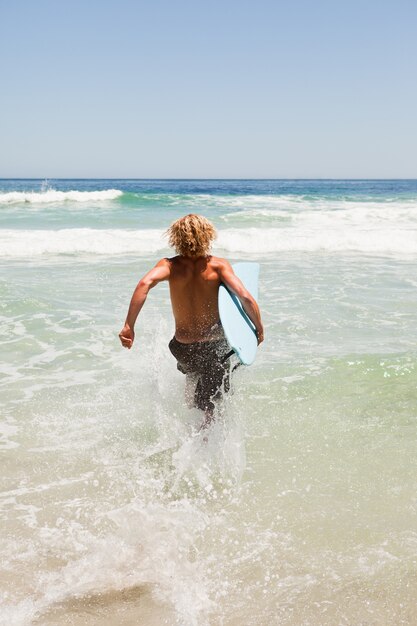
<point>211,386</point>
<point>191,380</point>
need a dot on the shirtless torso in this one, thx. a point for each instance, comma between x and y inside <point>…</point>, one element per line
<point>194,285</point>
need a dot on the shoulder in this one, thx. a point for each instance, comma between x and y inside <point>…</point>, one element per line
<point>173,260</point>
<point>165,263</point>
<point>161,270</point>
<point>219,264</point>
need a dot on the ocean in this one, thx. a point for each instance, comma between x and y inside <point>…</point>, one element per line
<point>301,508</point>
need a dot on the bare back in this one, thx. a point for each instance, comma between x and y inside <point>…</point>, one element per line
<point>194,286</point>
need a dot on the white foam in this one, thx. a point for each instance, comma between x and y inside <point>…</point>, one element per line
<point>319,235</point>
<point>52,195</point>
<point>32,243</point>
<point>7,433</point>
<point>274,240</point>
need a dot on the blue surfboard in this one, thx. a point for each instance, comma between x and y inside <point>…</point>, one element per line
<point>239,330</point>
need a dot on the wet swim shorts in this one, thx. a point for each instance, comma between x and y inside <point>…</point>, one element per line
<point>205,364</point>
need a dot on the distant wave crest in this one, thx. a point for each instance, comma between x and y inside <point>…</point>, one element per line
<point>52,195</point>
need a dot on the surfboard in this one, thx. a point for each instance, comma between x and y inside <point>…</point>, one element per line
<point>239,330</point>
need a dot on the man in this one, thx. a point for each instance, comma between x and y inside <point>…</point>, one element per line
<point>194,276</point>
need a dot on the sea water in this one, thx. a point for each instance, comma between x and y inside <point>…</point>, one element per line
<point>300,508</point>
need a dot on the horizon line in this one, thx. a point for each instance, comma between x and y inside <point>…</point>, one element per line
<point>195,178</point>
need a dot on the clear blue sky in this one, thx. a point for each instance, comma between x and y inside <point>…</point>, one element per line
<point>284,88</point>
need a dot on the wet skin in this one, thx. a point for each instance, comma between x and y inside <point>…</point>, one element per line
<point>194,284</point>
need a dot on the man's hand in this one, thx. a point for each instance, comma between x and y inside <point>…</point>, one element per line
<point>127,336</point>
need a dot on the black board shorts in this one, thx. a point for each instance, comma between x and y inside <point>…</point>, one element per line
<point>208,361</point>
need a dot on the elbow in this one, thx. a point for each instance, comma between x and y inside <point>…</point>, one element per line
<point>143,286</point>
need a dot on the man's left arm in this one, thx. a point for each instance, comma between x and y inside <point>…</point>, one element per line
<point>249,304</point>
<point>160,272</point>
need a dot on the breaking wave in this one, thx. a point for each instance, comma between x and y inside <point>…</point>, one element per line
<point>52,195</point>
<point>389,241</point>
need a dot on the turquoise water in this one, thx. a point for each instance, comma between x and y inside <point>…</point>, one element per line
<point>301,508</point>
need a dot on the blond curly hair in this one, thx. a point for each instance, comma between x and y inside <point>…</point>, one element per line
<point>191,235</point>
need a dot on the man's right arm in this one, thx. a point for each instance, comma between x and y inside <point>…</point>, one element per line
<point>160,272</point>
<point>249,304</point>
